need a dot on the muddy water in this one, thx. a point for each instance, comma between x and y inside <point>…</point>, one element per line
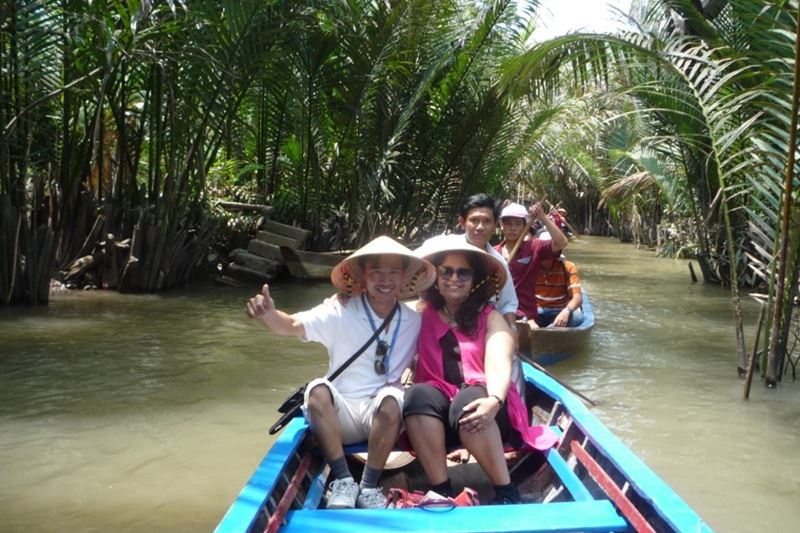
<point>149,412</point>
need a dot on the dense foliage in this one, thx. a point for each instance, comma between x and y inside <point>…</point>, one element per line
<point>351,118</point>
<point>124,122</point>
<point>695,136</point>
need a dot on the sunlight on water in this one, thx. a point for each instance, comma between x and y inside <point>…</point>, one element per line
<point>142,412</point>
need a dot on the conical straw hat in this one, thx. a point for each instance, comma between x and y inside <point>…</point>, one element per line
<point>458,243</point>
<point>394,461</point>
<point>348,276</point>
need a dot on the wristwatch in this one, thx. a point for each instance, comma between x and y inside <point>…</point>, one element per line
<point>500,401</point>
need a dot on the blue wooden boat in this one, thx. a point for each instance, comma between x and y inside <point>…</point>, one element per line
<point>590,482</point>
<point>548,346</point>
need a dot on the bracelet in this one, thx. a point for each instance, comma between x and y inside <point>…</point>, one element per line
<point>500,401</point>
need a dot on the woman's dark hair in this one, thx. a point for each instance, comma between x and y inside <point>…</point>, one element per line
<point>483,288</point>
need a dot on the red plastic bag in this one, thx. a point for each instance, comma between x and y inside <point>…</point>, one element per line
<point>467,498</point>
<point>402,499</point>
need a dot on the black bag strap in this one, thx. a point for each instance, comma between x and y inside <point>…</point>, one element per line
<point>295,409</point>
<point>375,334</point>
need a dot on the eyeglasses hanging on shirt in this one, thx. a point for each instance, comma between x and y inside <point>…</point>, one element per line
<point>383,351</point>
<point>380,354</point>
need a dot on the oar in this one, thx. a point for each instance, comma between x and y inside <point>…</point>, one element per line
<point>527,227</point>
<point>513,251</point>
<point>546,372</point>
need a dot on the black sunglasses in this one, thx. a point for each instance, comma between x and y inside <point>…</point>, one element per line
<point>380,354</point>
<point>463,273</point>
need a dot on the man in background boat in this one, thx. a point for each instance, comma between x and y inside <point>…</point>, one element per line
<point>478,217</point>
<point>558,294</point>
<point>525,256</point>
<point>564,224</point>
<point>366,401</point>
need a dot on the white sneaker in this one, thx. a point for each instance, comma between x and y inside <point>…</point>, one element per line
<point>371,499</point>
<point>343,494</point>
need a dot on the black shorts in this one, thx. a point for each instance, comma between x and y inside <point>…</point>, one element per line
<point>424,399</point>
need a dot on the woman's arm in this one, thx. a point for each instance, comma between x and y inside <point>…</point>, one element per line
<point>497,367</point>
<point>498,357</point>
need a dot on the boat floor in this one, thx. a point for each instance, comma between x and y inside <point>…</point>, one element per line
<point>522,468</point>
<point>533,473</point>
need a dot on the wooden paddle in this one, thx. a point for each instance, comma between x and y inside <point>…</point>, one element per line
<point>513,251</point>
<point>567,386</point>
<point>527,227</point>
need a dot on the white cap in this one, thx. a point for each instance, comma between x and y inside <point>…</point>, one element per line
<point>514,210</point>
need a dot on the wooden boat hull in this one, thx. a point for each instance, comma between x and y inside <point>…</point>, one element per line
<point>548,346</point>
<point>303,264</point>
<point>590,482</point>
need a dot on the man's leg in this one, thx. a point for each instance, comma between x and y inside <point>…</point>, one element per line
<point>384,432</point>
<point>546,317</point>
<point>385,426</point>
<point>324,422</point>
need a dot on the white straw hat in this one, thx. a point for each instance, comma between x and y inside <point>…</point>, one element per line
<point>394,461</point>
<point>458,243</point>
<point>348,276</point>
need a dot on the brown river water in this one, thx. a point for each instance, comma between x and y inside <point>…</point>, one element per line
<point>149,412</point>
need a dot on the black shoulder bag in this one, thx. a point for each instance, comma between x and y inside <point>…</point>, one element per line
<point>291,406</point>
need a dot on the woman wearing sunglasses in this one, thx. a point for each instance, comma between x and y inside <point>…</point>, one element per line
<point>463,393</point>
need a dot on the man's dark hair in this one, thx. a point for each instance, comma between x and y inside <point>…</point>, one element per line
<point>479,200</point>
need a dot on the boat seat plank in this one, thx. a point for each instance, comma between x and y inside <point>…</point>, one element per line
<point>567,476</point>
<point>316,489</point>
<point>594,516</point>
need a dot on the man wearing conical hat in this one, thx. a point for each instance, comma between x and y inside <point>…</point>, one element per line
<point>365,401</point>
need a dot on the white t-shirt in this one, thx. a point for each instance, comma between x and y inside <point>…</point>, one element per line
<point>343,329</point>
<point>507,301</point>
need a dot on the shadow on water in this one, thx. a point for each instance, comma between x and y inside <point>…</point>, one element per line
<point>150,411</point>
